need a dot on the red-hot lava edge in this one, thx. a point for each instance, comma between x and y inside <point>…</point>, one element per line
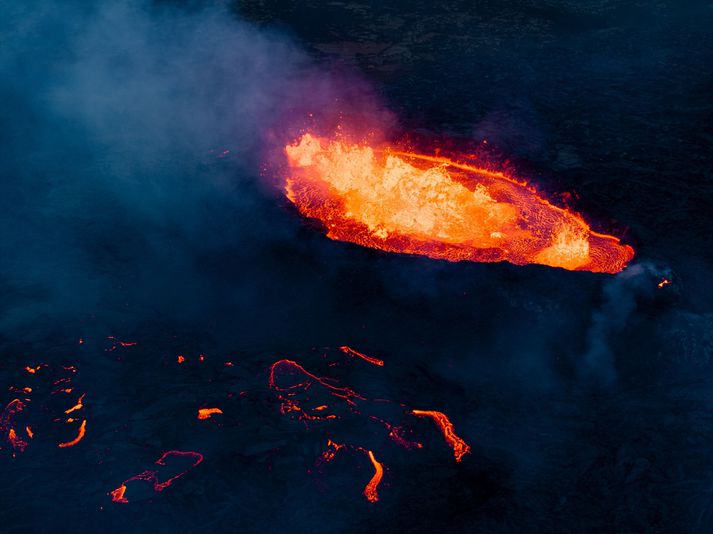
<point>389,199</point>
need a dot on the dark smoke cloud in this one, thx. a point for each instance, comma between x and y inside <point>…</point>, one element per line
<point>620,294</point>
<point>134,136</point>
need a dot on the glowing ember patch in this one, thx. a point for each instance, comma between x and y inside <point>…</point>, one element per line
<point>205,413</point>
<point>433,206</point>
<point>349,350</point>
<point>16,441</point>
<point>460,447</point>
<point>116,343</point>
<point>180,359</point>
<point>7,420</point>
<point>80,435</point>
<point>395,434</point>
<point>332,450</point>
<point>370,491</point>
<point>30,434</point>
<point>663,282</point>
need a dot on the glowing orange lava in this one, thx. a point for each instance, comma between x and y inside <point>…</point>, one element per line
<point>117,495</point>
<point>460,447</point>
<point>349,350</point>
<point>438,207</point>
<point>370,491</point>
<point>301,392</point>
<point>77,406</point>
<point>205,413</point>
<point>7,420</point>
<point>332,449</point>
<point>80,436</point>
<point>663,282</point>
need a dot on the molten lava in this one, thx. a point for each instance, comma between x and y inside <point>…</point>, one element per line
<point>370,490</point>
<point>348,350</point>
<point>206,413</point>
<point>77,406</point>
<point>301,395</point>
<point>438,207</point>
<point>460,447</point>
<point>80,435</point>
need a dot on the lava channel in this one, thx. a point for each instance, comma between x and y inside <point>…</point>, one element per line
<point>405,202</point>
<point>460,447</point>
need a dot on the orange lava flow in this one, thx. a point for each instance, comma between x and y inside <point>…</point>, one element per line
<point>205,413</point>
<point>80,436</point>
<point>77,406</point>
<point>412,203</point>
<point>460,447</point>
<point>370,491</point>
<point>349,350</point>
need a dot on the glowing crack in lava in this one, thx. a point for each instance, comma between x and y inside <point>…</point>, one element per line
<point>118,495</point>
<point>460,447</point>
<point>438,207</point>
